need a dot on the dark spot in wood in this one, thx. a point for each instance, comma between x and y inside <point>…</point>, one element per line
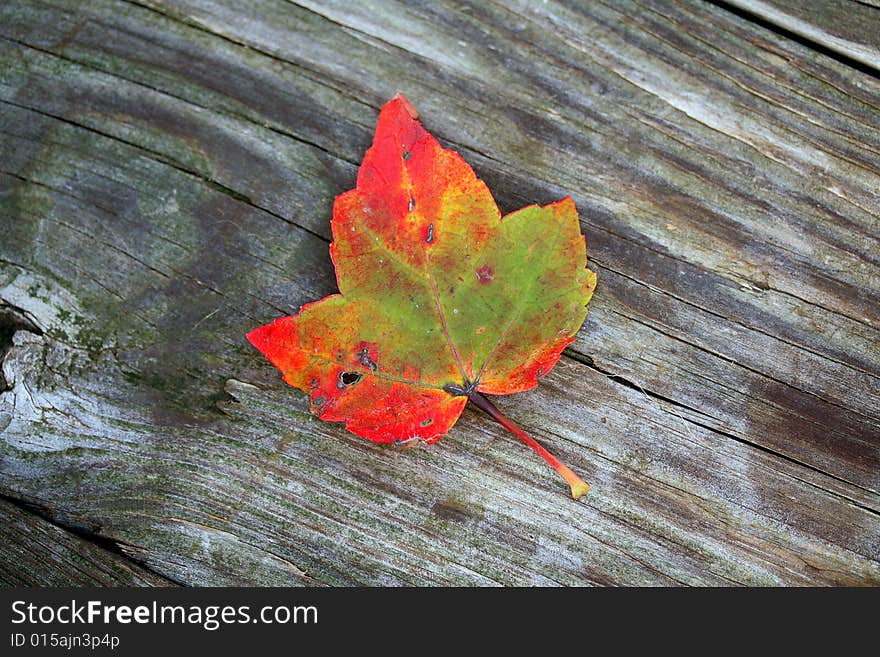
<point>603,419</point>
<point>485,274</point>
<point>412,203</point>
<point>426,422</point>
<point>12,319</point>
<point>365,360</point>
<point>430,236</point>
<point>406,154</point>
<point>454,511</point>
<point>348,379</point>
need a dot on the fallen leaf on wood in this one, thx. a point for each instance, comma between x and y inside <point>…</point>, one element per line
<point>442,300</point>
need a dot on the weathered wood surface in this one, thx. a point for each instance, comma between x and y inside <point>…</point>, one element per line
<point>168,171</point>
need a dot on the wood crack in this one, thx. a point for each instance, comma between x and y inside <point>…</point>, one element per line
<point>744,440</point>
<point>163,159</point>
<point>838,54</point>
<point>748,327</point>
<point>98,540</point>
<point>163,92</point>
<point>874,420</point>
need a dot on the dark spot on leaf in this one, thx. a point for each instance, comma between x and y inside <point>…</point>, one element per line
<point>403,443</point>
<point>426,422</point>
<point>412,203</point>
<point>430,236</point>
<point>452,290</point>
<point>348,379</point>
<point>319,401</point>
<point>485,274</point>
<point>406,154</point>
<point>313,383</point>
<point>540,371</point>
<point>366,361</point>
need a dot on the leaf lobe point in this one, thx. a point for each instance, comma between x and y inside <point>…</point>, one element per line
<point>408,106</point>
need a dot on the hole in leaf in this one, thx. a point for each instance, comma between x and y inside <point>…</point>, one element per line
<point>348,379</point>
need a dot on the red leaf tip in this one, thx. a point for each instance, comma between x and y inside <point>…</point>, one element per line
<point>408,106</point>
<point>262,337</point>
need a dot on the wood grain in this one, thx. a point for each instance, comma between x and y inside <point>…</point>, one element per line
<point>168,171</point>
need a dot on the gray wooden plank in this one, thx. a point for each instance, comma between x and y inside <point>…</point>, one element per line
<point>168,176</point>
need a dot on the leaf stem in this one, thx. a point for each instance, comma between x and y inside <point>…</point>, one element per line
<point>578,486</point>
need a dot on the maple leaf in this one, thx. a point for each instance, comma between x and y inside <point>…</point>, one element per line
<point>442,300</point>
